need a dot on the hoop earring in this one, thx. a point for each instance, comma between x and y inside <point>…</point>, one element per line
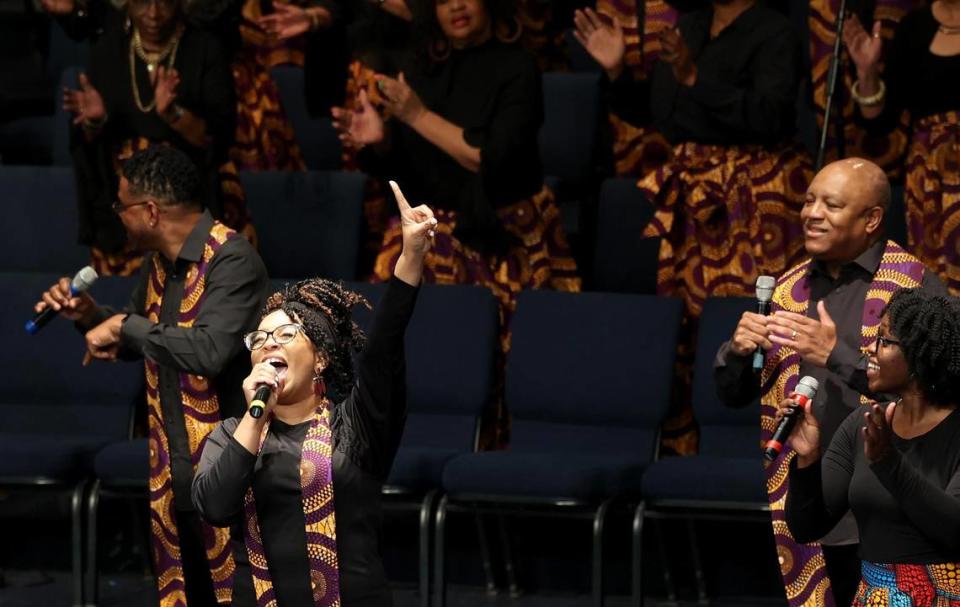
<point>504,33</point>
<point>439,50</point>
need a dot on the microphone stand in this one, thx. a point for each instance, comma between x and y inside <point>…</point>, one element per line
<point>832,76</point>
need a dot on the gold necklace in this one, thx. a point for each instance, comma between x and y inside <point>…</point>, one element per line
<point>152,60</point>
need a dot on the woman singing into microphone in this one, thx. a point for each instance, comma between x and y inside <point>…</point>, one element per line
<point>897,467</point>
<point>300,486</point>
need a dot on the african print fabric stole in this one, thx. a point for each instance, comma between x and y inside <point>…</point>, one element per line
<point>201,414</point>
<point>316,483</point>
<point>802,565</point>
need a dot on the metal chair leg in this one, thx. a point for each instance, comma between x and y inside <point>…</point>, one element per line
<point>485,554</point>
<point>439,556</point>
<point>636,569</point>
<point>426,510</point>
<point>599,520</point>
<point>507,550</point>
<point>76,538</point>
<point>697,564</point>
<point>92,575</point>
<point>665,564</point>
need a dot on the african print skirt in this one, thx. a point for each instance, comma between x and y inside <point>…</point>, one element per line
<point>725,214</point>
<point>127,261</point>
<point>932,195</point>
<point>543,261</point>
<point>264,136</point>
<point>935,585</point>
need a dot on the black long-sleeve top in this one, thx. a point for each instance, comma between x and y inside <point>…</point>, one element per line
<point>206,89</point>
<point>907,504</point>
<point>235,291</point>
<point>493,91</point>
<point>917,80</point>
<point>748,79</point>
<point>367,427</point>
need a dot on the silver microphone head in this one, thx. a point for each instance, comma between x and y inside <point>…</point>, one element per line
<point>84,279</point>
<point>765,287</point>
<point>807,386</point>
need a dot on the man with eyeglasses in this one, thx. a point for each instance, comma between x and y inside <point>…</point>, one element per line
<point>201,289</point>
<point>826,314</point>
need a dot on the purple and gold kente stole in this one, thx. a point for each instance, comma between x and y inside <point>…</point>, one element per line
<point>802,565</point>
<point>316,483</point>
<point>201,414</point>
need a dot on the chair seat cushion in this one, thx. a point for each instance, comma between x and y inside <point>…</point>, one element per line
<point>542,475</point>
<point>720,479</point>
<point>57,457</point>
<point>419,468</point>
<point>125,463</point>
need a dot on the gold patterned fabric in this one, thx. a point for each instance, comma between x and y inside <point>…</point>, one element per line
<point>802,565</point>
<point>885,150</point>
<point>932,195</point>
<point>264,139</point>
<point>638,150</point>
<point>201,414</point>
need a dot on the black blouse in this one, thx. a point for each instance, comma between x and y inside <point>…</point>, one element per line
<point>494,92</point>
<point>907,505</point>
<point>366,431</point>
<point>917,80</point>
<point>206,90</point>
<point>748,78</point>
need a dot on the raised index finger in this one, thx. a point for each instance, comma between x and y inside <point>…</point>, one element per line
<point>401,199</point>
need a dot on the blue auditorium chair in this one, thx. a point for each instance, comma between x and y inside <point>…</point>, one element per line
<point>624,261</point>
<point>725,480</point>
<point>588,382</point>
<point>56,413</point>
<point>40,204</point>
<point>308,224</point>
<point>449,384</point>
<point>318,139</point>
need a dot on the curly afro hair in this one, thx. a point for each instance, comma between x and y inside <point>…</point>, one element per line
<point>928,328</point>
<point>324,308</point>
<point>164,173</point>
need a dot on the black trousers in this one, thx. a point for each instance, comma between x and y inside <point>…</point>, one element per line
<point>843,567</point>
<point>193,555</point>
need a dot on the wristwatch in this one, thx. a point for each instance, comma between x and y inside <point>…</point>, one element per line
<point>174,113</point>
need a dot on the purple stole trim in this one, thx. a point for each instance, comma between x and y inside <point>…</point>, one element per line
<point>201,411</point>
<point>802,565</point>
<point>316,482</point>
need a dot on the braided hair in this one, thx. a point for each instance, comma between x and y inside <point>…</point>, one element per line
<point>323,308</point>
<point>928,328</point>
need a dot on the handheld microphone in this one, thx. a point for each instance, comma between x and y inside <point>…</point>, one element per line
<point>80,283</point>
<point>765,286</point>
<point>260,398</point>
<point>804,392</point>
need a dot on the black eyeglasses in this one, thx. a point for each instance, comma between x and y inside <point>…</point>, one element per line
<point>118,207</point>
<point>283,334</point>
<point>886,341</point>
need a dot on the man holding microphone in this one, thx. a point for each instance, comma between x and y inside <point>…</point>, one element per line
<point>201,288</point>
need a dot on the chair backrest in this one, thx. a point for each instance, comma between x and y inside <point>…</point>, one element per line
<point>624,261</point>
<point>895,219</point>
<point>318,139</point>
<point>451,343</point>
<point>724,431</point>
<point>40,206</point>
<point>571,110</point>
<point>46,390</point>
<point>591,372</point>
<point>308,224</point>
